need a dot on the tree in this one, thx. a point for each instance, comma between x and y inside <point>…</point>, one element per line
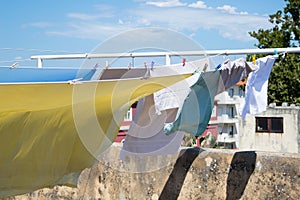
<point>284,81</point>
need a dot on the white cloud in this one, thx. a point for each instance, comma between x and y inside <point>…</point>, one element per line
<point>103,7</point>
<point>229,23</point>
<point>244,13</point>
<point>143,22</point>
<point>38,25</point>
<point>82,16</point>
<point>183,18</point>
<point>227,8</point>
<point>90,30</point>
<point>198,4</point>
<point>167,3</point>
<point>231,10</point>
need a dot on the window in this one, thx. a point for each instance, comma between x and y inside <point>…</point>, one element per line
<point>241,92</point>
<point>214,111</point>
<point>128,116</point>
<point>231,112</point>
<point>231,92</point>
<point>269,124</point>
<point>231,131</point>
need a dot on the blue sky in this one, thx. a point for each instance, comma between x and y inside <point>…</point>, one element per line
<point>79,26</point>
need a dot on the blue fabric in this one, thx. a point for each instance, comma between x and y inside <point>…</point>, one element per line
<point>8,75</point>
<point>197,108</point>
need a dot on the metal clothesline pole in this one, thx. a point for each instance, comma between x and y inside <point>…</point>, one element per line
<point>40,58</point>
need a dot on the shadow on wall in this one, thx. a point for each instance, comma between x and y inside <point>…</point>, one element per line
<point>175,181</point>
<point>241,167</point>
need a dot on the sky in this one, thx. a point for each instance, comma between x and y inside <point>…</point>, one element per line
<point>35,27</point>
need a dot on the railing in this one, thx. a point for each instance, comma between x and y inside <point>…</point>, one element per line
<point>40,58</point>
<point>226,138</point>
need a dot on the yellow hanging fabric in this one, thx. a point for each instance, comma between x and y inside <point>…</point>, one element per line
<point>50,132</point>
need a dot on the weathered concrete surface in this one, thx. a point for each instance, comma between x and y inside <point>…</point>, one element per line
<point>192,174</point>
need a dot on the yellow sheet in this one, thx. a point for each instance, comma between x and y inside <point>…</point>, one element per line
<point>50,132</point>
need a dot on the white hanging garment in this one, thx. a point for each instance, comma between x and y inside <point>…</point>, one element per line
<point>256,97</point>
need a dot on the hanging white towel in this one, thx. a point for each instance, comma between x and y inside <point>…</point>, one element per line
<point>256,96</point>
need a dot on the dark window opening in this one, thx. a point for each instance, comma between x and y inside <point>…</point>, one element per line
<point>269,124</point>
<point>276,125</point>
<point>231,92</point>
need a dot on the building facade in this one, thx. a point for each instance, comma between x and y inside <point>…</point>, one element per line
<point>126,123</point>
<point>276,130</point>
<point>228,105</point>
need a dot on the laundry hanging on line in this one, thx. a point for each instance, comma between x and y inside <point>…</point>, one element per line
<point>146,135</point>
<point>256,93</point>
<point>197,108</point>
<point>196,111</point>
<point>234,71</point>
<point>174,96</point>
<point>40,144</point>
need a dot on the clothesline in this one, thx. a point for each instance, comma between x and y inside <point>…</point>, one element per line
<point>210,53</point>
<point>175,53</point>
<point>40,58</point>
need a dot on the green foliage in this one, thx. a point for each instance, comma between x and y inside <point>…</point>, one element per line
<point>284,80</point>
<point>188,140</point>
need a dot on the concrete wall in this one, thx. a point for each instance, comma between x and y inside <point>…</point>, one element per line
<point>288,141</point>
<point>191,174</point>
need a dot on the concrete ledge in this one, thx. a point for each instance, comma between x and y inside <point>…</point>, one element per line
<point>193,173</point>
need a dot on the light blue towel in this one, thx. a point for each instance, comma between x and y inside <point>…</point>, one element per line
<point>197,107</point>
<point>8,75</point>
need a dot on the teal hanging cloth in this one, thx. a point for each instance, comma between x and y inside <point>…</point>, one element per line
<point>197,107</point>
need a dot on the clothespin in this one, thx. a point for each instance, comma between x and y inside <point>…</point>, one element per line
<point>205,67</point>
<point>152,65</point>
<point>218,67</point>
<point>183,61</point>
<point>14,65</point>
<point>254,59</point>
<point>226,61</point>
<point>107,65</point>
<point>75,81</point>
<point>198,69</point>
<point>276,53</point>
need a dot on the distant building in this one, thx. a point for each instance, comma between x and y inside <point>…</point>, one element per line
<point>126,123</point>
<point>275,130</point>
<point>210,135</point>
<point>228,105</point>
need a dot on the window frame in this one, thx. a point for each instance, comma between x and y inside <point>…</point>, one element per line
<point>128,115</point>
<point>269,123</point>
